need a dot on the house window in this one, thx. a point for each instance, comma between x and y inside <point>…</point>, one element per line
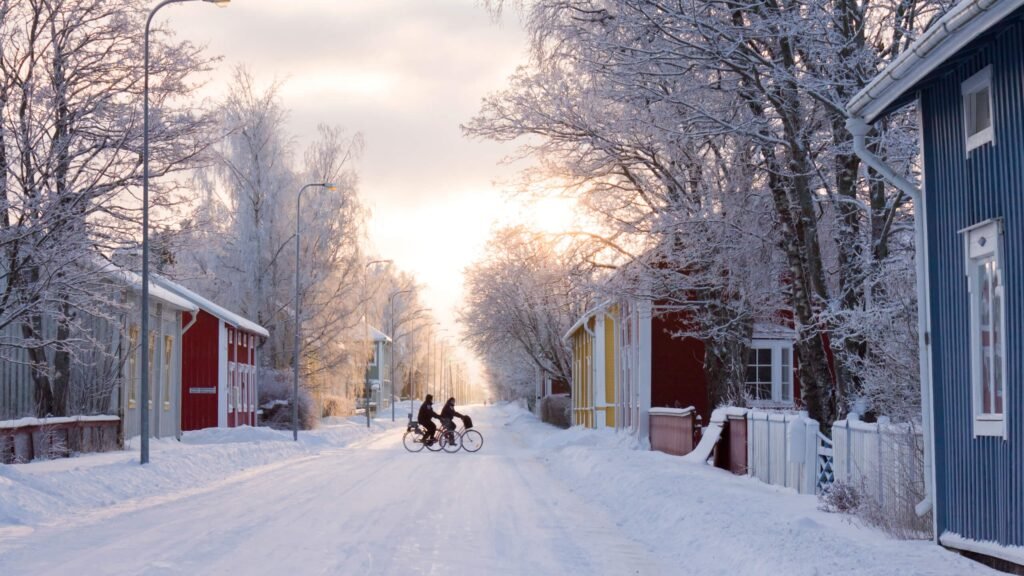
<point>133,365</point>
<point>168,356</point>
<point>151,380</point>
<point>977,94</point>
<point>984,269</point>
<point>769,376</point>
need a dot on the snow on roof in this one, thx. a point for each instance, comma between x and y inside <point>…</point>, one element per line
<point>768,331</point>
<point>586,317</point>
<point>134,281</point>
<point>379,336</point>
<point>954,30</point>
<point>218,311</point>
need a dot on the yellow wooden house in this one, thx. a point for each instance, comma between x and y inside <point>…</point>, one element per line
<point>594,369</point>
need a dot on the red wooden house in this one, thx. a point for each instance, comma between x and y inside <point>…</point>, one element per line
<point>218,364</point>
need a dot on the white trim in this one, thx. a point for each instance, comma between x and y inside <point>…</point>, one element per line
<point>1013,554</point>
<point>983,241</point>
<point>956,29</point>
<point>969,89</point>
<point>776,345</point>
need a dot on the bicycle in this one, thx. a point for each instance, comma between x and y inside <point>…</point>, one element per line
<point>413,439</point>
<point>467,437</point>
<point>470,438</point>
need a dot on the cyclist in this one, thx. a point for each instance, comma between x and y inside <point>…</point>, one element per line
<point>425,418</point>
<point>448,413</point>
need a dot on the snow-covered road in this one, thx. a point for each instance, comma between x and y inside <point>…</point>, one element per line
<point>530,502</point>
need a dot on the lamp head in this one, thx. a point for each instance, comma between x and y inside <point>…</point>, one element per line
<point>219,3</point>
<point>331,186</point>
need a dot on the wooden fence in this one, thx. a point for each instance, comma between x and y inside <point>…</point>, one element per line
<point>782,449</point>
<point>29,439</point>
<point>884,463</point>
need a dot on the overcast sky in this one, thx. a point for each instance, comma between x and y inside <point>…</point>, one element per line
<point>405,73</point>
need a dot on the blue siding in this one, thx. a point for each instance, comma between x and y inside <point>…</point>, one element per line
<point>979,481</point>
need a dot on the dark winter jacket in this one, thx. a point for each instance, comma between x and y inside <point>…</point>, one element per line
<point>449,411</point>
<point>426,413</point>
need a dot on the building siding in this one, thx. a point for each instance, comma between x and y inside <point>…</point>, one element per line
<point>979,481</point>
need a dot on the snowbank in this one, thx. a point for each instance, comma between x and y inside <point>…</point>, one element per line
<point>713,522</point>
<point>43,492</point>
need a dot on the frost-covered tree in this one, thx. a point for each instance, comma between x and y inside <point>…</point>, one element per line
<point>644,106</point>
<point>521,298</point>
<point>70,166</point>
<point>240,250</point>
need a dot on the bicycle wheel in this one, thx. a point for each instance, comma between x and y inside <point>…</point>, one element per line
<point>451,444</point>
<point>436,445</point>
<point>472,440</point>
<point>412,441</point>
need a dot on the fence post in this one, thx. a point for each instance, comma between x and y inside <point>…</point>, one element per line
<point>749,416</point>
<point>785,454</point>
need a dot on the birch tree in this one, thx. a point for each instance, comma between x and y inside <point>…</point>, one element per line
<point>70,164</point>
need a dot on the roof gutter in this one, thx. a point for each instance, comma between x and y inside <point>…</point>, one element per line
<point>859,128</point>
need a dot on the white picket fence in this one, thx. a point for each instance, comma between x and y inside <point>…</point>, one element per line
<point>782,449</point>
<point>883,462</point>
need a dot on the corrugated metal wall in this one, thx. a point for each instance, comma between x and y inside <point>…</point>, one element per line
<point>91,371</point>
<point>980,481</point>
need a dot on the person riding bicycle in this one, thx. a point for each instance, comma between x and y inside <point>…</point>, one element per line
<point>448,413</point>
<point>425,418</point>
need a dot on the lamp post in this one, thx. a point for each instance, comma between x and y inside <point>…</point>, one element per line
<point>298,320</point>
<point>366,322</point>
<point>391,370</point>
<point>144,406</point>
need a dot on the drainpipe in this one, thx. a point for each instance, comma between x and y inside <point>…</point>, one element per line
<point>859,128</point>
<point>593,369</point>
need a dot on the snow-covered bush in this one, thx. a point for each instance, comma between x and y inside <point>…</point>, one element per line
<point>841,497</point>
<point>556,410</point>
<point>275,400</point>
<point>334,406</point>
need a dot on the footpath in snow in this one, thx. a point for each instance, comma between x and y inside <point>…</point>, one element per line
<point>347,500</point>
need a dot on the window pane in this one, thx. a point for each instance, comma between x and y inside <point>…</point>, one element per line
<point>982,112</point>
<point>764,374</point>
<point>764,356</point>
<point>787,375</point>
<point>997,344</point>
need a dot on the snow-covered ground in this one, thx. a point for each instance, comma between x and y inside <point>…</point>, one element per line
<point>347,500</point>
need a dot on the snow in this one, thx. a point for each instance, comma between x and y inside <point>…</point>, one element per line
<point>1013,554</point>
<point>22,422</point>
<point>348,500</point>
<point>673,411</point>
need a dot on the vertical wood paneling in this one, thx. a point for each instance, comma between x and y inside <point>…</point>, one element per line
<point>979,481</point>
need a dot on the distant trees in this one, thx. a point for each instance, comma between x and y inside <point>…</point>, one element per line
<point>520,301</point>
<point>238,247</point>
<point>709,138</point>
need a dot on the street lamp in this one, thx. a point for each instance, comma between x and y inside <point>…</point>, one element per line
<point>366,322</point>
<point>144,407</point>
<point>298,320</point>
<point>391,373</point>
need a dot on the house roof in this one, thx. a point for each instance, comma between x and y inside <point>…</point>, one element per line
<point>218,311</point>
<point>943,39</point>
<point>134,281</point>
<point>379,336</point>
<point>585,318</point>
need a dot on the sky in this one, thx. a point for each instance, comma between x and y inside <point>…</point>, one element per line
<point>405,73</point>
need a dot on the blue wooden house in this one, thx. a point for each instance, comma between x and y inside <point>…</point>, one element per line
<point>966,74</point>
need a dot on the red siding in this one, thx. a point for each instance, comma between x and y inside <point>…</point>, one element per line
<point>199,360</point>
<point>677,368</point>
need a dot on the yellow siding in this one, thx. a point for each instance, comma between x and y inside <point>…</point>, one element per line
<point>582,387</point>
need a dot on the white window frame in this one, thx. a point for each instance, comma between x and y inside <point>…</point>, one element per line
<point>981,242</point>
<point>777,346</point>
<point>969,89</point>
